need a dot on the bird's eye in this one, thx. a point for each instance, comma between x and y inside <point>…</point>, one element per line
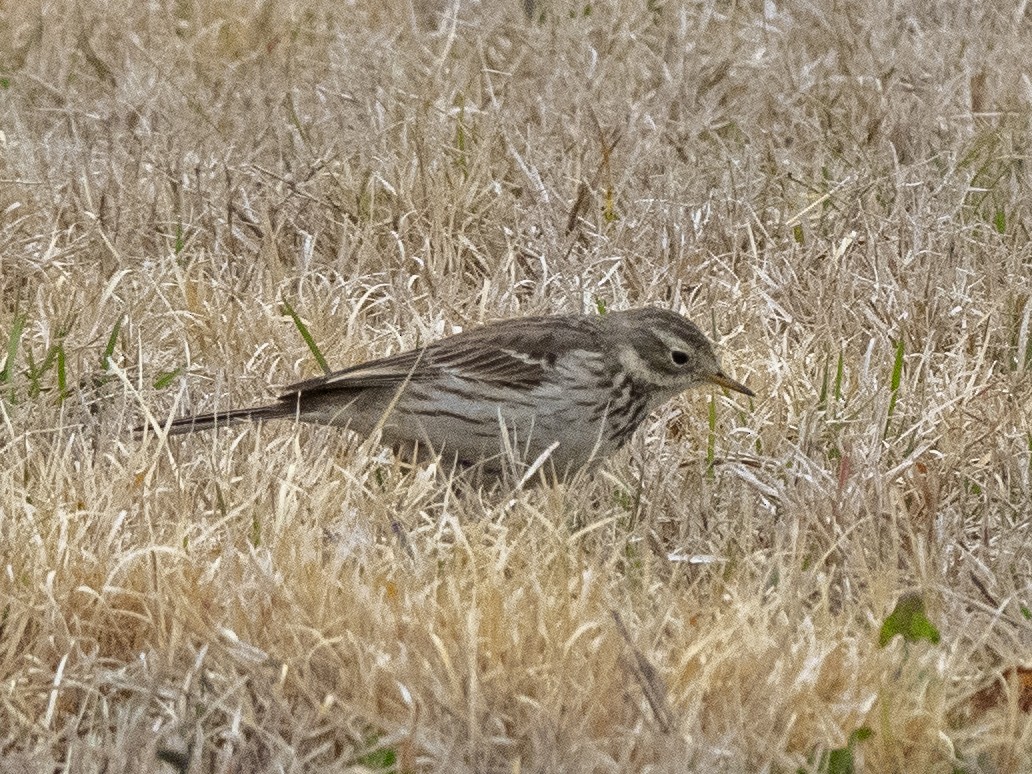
<point>679,357</point>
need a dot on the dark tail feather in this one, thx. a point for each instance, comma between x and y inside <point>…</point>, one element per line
<point>226,418</point>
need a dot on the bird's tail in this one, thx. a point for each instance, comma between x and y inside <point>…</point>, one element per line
<point>225,418</point>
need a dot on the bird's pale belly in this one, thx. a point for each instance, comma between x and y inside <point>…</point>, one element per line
<point>506,439</point>
<point>510,435</point>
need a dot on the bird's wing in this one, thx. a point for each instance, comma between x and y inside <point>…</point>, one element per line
<point>385,372</point>
<point>518,353</point>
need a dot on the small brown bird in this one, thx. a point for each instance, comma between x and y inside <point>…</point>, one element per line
<point>574,388</point>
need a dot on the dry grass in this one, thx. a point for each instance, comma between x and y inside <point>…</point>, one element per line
<point>829,192</point>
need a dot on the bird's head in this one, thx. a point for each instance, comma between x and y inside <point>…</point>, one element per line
<point>664,349</point>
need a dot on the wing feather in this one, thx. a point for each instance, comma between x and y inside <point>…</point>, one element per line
<point>385,372</point>
<point>518,353</point>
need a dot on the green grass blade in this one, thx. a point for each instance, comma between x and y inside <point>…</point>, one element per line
<point>180,241</point>
<point>36,373</point>
<point>307,336</point>
<point>49,360</point>
<point>109,349</point>
<point>62,374</point>
<point>908,619</point>
<point>897,378</point>
<point>165,378</point>
<point>1000,221</point>
<point>839,371</point>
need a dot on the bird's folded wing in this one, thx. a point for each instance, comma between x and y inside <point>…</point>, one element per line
<point>495,366</point>
<point>487,365</point>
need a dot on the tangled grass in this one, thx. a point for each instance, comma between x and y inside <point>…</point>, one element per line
<point>832,577</point>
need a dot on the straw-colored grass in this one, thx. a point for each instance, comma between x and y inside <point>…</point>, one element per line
<point>840,197</point>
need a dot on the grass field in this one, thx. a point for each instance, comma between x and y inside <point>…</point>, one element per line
<point>831,577</point>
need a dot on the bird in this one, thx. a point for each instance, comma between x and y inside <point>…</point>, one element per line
<point>568,390</point>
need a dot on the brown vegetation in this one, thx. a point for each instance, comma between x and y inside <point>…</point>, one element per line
<point>840,196</point>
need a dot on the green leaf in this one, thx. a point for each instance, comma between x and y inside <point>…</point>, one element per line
<point>623,499</point>
<point>383,759</point>
<point>839,372</point>
<point>62,376</point>
<point>165,378</point>
<point>840,760</point>
<point>1000,221</point>
<point>307,336</point>
<point>797,234</point>
<point>180,242</point>
<point>109,350</point>
<point>609,213</point>
<point>909,620</point>
<point>256,531</point>
<point>894,383</point>
<point>379,758</point>
<point>33,372</point>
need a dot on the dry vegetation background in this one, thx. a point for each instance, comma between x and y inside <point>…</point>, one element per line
<point>840,195</point>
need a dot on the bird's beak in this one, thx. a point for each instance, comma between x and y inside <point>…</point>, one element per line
<point>722,380</point>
